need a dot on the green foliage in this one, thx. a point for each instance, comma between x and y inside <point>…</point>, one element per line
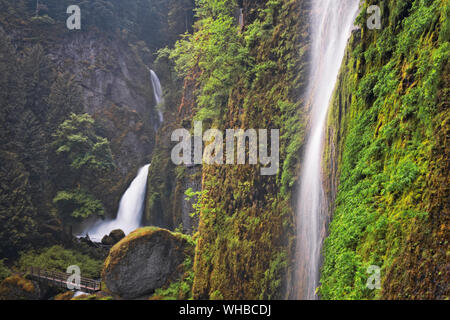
<point>403,176</point>
<point>166,18</point>
<point>88,157</point>
<point>48,149</point>
<point>64,99</point>
<point>219,54</point>
<point>76,205</point>
<point>199,195</point>
<point>215,8</point>
<point>17,213</point>
<point>249,77</point>
<point>85,152</point>
<point>394,80</point>
<point>42,20</point>
<point>57,258</point>
<point>179,290</point>
<point>4,271</point>
<point>22,150</point>
<point>273,276</point>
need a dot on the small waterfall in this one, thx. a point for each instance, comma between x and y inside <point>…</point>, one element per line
<point>130,211</point>
<point>157,90</point>
<point>332,22</point>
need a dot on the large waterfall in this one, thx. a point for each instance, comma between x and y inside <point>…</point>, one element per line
<point>332,22</point>
<point>157,90</point>
<point>130,211</point>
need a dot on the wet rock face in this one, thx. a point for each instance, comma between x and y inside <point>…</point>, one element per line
<point>145,260</point>
<point>116,90</point>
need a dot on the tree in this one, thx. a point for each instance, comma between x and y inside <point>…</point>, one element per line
<point>17,213</point>
<point>87,154</point>
<point>64,99</point>
<point>83,158</point>
<point>38,77</point>
<point>12,98</point>
<point>31,147</point>
<point>76,205</point>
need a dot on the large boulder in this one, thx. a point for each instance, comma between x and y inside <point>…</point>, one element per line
<point>145,260</point>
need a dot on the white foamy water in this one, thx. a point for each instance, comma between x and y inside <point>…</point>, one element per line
<point>130,212</point>
<point>79,293</point>
<point>332,22</point>
<point>158,93</point>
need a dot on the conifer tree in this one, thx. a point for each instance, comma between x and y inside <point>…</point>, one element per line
<point>83,158</point>
<point>17,213</point>
<point>64,99</point>
<point>38,77</point>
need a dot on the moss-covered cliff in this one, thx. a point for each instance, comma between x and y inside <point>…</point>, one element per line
<point>243,64</point>
<point>387,157</point>
<point>384,160</point>
<point>245,76</point>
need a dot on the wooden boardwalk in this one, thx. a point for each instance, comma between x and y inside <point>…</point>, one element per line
<point>60,279</point>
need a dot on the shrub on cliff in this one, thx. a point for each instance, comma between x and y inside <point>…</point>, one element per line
<point>57,258</point>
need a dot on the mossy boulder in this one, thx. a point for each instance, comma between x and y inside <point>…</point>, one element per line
<point>145,260</point>
<point>19,288</point>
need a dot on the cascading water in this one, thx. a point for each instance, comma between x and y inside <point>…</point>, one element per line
<point>157,90</point>
<point>332,22</point>
<point>130,211</point>
<point>131,206</point>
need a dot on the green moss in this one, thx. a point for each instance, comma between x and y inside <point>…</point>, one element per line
<point>386,125</point>
<point>244,238</point>
<point>57,258</point>
<point>181,289</point>
<point>68,295</point>
<point>119,250</point>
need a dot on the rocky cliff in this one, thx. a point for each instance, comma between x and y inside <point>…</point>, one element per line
<point>245,217</point>
<point>108,59</point>
<point>386,158</point>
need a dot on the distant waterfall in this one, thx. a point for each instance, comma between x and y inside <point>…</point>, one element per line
<point>332,22</point>
<point>130,211</point>
<point>157,90</point>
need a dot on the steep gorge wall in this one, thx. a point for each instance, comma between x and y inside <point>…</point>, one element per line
<point>116,90</point>
<point>244,239</point>
<point>386,157</point>
<point>245,226</point>
<point>108,60</point>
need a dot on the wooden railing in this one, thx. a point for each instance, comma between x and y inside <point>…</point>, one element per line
<point>61,279</point>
